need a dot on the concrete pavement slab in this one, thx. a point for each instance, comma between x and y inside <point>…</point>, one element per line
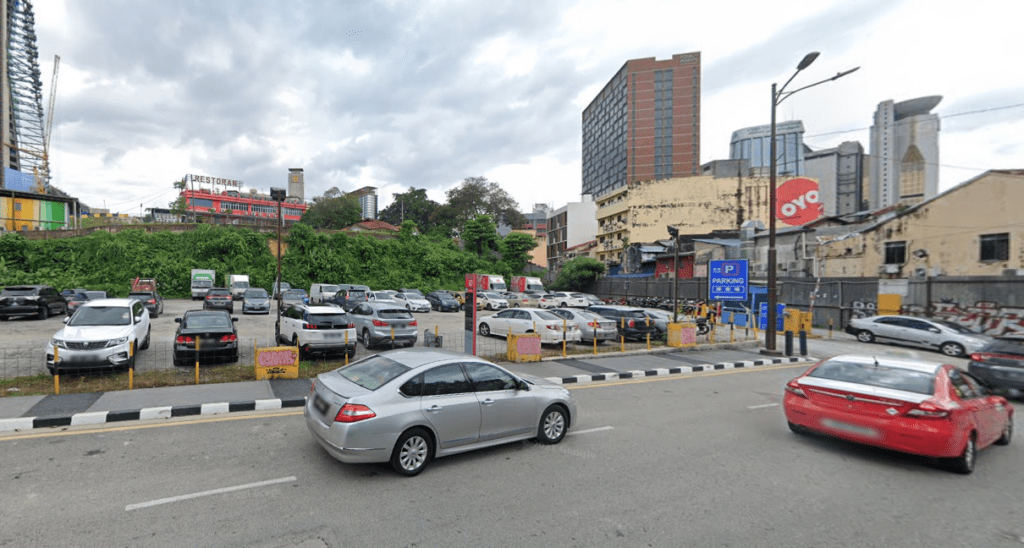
<point>17,406</point>
<point>184,395</point>
<point>63,404</point>
<point>544,369</point>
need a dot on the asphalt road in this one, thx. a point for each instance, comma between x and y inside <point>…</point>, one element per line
<point>702,460</point>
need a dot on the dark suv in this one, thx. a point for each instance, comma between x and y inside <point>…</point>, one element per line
<point>151,299</point>
<point>41,301</point>
<point>631,322</point>
<point>442,301</point>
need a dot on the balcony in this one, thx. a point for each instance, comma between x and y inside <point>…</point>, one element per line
<point>612,208</point>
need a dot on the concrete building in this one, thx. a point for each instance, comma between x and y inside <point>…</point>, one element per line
<point>754,144</point>
<point>297,184</point>
<point>367,201</point>
<point>904,152</point>
<point>568,226</point>
<point>644,124</point>
<point>539,254</point>
<point>840,173</point>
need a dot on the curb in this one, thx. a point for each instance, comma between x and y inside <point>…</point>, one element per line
<point>166,412</point>
<point>579,379</point>
<point>662,350</point>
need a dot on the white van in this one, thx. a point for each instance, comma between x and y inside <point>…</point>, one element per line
<point>318,293</point>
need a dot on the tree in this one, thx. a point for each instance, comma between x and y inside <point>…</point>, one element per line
<point>579,274</point>
<point>179,205</point>
<point>480,235</point>
<point>333,210</point>
<point>413,205</point>
<point>515,251</point>
<point>478,196</point>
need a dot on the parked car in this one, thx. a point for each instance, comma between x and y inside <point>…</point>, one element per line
<point>68,292</point>
<point>442,301</point>
<point>348,298</point>
<point>105,333</point>
<point>319,293</point>
<point>285,286</point>
<point>414,291</point>
<point>590,325</point>
<point>96,295</point>
<point>518,321</point>
<point>381,297</point>
<point>1000,363</point>
<point>491,300</point>
<point>294,296</point>
<point>659,319</point>
<point>408,407</point>
<point>592,299</point>
<point>631,322</point>
<point>75,300</point>
<point>152,300</point>
<point>41,301</point>
<point>412,303</point>
<point>909,406</point>
<point>518,300</point>
<point>206,335</point>
<point>384,324</point>
<point>219,298</point>
<point>459,297</point>
<point>316,328</point>
<point>255,300</point>
<point>949,338</point>
<point>565,299</point>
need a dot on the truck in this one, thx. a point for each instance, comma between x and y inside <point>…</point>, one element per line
<point>493,282</point>
<point>202,280</point>
<point>143,284</point>
<point>237,284</point>
<point>523,283</point>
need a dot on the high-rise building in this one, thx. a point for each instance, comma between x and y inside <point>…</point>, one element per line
<point>754,144</point>
<point>367,201</point>
<point>296,184</point>
<point>904,152</point>
<point>840,175</point>
<point>644,124</point>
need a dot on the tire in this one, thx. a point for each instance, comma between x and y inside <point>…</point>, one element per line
<point>703,328</point>
<point>367,343</point>
<point>516,305</point>
<point>413,452</point>
<point>797,429</point>
<point>231,310</point>
<point>145,343</point>
<point>952,349</point>
<point>865,336</point>
<point>485,330</point>
<point>553,425</point>
<point>44,312</point>
<point>563,305</point>
<point>964,464</point>
<point>1007,432</point>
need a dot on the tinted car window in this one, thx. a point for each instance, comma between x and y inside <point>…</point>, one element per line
<point>218,292</point>
<point>413,387</point>
<point>960,385</point>
<point>18,291</point>
<point>487,378</point>
<point>908,380</point>
<point>395,314</point>
<point>373,372</point>
<point>255,293</point>
<point>326,318</point>
<point>445,379</point>
<point>194,321</point>
<point>956,328</point>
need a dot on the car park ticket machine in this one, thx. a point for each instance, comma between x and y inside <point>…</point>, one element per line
<point>474,283</point>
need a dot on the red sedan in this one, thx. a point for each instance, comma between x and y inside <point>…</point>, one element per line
<point>904,405</point>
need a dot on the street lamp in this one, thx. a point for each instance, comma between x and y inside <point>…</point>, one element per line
<point>923,254</point>
<point>278,195</point>
<point>778,97</point>
<point>674,232</point>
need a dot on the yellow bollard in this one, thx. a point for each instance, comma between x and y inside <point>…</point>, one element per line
<point>197,360</point>
<point>595,339</point>
<point>56,370</point>
<point>131,378</point>
<point>346,347</point>
<point>392,337</point>
<point>564,327</point>
<point>711,334</point>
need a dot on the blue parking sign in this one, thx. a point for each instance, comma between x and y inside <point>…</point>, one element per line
<point>762,316</point>
<point>729,280</point>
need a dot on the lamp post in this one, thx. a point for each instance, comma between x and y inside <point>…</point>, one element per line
<point>674,232</point>
<point>778,97</point>
<point>923,254</point>
<point>278,195</point>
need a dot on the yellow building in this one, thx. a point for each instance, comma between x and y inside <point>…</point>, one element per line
<point>539,254</point>
<point>27,211</point>
<point>973,229</point>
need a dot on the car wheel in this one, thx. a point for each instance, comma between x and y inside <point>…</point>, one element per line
<point>563,305</point>
<point>553,424</point>
<point>964,464</point>
<point>797,429</point>
<point>516,305</point>
<point>485,330</point>
<point>44,312</point>
<point>952,349</point>
<point>351,353</point>
<point>231,310</point>
<point>1007,432</point>
<point>145,343</point>
<point>412,453</point>
<point>367,343</point>
<point>865,336</point>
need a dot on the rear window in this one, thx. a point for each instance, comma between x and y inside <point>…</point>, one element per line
<point>207,321</point>
<point>395,314</point>
<point>16,291</point>
<point>372,372</point>
<point>329,289</point>
<point>1006,346</point>
<point>356,294</point>
<point>141,295</point>
<point>326,318</point>
<point>879,376</point>
<point>218,292</point>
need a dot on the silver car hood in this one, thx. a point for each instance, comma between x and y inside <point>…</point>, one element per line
<point>93,332</point>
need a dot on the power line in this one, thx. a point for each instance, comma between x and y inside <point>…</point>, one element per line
<point>941,116</point>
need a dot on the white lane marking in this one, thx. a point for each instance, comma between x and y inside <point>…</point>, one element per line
<point>592,430</point>
<point>96,417</point>
<point>169,500</point>
<point>763,406</point>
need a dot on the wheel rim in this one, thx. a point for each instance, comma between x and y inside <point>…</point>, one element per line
<point>969,454</point>
<point>413,453</point>
<point>864,336</point>
<point>484,330</point>
<point>366,339</point>
<point>1008,429</point>
<point>554,425</point>
<point>951,349</point>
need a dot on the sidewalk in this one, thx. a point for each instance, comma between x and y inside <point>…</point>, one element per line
<point>30,412</point>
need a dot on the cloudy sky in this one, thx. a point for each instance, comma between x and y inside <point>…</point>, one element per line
<point>398,93</point>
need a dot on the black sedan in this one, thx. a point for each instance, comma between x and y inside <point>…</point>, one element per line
<point>1000,364</point>
<point>209,333</point>
<point>219,298</point>
<point>442,301</point>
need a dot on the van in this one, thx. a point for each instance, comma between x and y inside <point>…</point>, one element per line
<point>319,293</point>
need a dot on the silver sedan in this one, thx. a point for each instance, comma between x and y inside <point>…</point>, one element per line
<point>409,406</point>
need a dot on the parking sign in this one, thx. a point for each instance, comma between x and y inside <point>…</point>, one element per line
<point>729,280</point>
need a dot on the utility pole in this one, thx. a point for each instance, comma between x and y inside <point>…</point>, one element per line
<point>278,195</point>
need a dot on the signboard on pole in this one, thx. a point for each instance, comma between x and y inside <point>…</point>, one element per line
<point>762,316</point>
<point>729,280</point>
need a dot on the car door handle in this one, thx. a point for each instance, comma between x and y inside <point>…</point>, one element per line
<point>488,401</point>
<point>434,408</point>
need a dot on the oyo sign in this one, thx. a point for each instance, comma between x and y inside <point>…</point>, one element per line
<point>798,202</point>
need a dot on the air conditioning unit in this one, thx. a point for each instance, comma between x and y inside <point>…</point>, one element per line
<point>920,272</point>
<point>889,269</point>
<point>795,265</point>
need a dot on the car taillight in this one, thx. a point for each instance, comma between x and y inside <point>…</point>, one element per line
<point>631,323</point>
<point>593,324</point>
<point>228,338</point>
<point>208,297</point>
<point>151,301</point>
<point>350,326</point>
<point>985,356</point>
<point>793,387</point>
<point>308,325</point>
<point>380,323</point>
<point>184,340</point>
<point>413,323</point>
<point>552,327</point>
<point>353,412</point>
<point>928,410</point>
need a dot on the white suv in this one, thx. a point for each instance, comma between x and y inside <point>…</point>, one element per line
<point>106,333</point>
<point>318,328</point>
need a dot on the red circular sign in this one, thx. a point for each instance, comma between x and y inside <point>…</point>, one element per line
<point>798,202</point>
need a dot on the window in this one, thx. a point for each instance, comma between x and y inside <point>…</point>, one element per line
<point>445,379</point>
<point>995,247</point>
<point>895,252</point>
<point>487,378</point>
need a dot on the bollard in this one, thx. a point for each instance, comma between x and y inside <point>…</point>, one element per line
<point>392,337</point>
<point>803,342</point>
<point>197,360</point>
<point>732,331</point>
<point>346,347</point>
<point>830,328</point>
<point>622,343</point>
<point>595,338</point>
<point>789,343</point>
<point>565,326</point>
<point>56,370</point>
<point>711,334</point>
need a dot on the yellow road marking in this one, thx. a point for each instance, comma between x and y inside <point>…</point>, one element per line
<point>698,375</point>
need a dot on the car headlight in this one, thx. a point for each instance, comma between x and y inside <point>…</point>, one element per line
<point>117,342</point>
<point>58,343</point>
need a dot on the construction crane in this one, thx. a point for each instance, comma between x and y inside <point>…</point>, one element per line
<point>43,177</point>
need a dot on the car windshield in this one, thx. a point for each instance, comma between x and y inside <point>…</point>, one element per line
<point>957,328</point>
<point>881,376</point>
<point>489,295</point>
<point>16,291</point>
<point>202,283</point>
<point>255,293</point>
<point>206,321</point>
<point>372,372</point>
<point>578,295</point>
<point>395,314</point>
<point>240,284</point>
<point>101,315</point>
<point>381,296</point>
<point>78,297</point>
<point>356,294</point>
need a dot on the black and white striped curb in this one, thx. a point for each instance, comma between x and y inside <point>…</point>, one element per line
<point>166,412</point>
<point>639,374</point>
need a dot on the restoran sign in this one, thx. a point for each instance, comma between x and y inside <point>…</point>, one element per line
<point>212,181</point>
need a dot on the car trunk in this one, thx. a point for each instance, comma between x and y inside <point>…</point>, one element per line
<point>861,399</point>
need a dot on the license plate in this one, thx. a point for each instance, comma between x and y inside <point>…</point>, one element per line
<point>320,404</point>
<point>334,335</point>
<point>851,428</point>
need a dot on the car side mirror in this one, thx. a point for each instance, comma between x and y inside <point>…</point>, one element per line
<point>522,385</point>
<point>177,320</point>
<point>234,319</point>
<point>934,330</point>
<point>67,319</point>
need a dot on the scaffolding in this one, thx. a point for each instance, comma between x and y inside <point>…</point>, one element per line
<point>24,142</point>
